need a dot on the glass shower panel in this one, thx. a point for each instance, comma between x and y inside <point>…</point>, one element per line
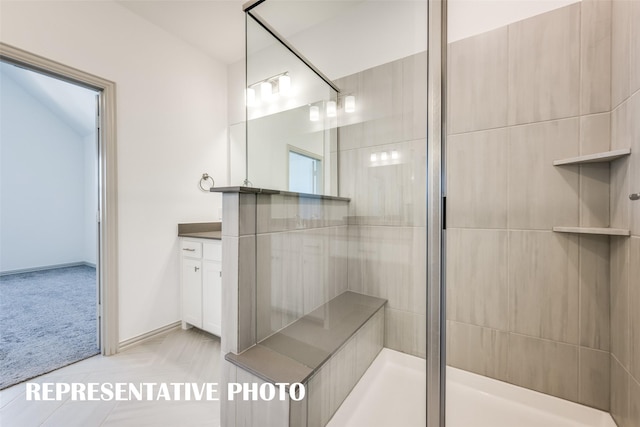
<point>289,109</point>
<point>531,266</point>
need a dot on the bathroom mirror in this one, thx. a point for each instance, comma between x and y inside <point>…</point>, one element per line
<point>291,129</point>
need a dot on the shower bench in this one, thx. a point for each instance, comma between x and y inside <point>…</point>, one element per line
<point>328,350</point>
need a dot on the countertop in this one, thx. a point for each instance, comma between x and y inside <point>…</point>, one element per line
<point>201,230</point>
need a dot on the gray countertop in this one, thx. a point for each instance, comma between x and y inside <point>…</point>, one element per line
<point>201,230</point>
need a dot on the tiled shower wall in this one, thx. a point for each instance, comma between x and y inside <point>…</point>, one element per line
<point>527,305</point>
<point>625,179</point>
<point>387,216</point>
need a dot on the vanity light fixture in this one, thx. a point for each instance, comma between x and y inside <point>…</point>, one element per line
<point>350,104</point>
<point>266,90</point>
<point>251,96</point>
<point>284,84</point>
<point>314,113</point>
<point>331,108</point>
<point>394,155</point>
<point>374,157</point>
<point>384,156</point>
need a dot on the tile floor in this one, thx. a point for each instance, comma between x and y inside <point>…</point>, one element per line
<point>179,356</point>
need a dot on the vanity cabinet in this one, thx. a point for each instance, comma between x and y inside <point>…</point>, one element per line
<point>201,282</point>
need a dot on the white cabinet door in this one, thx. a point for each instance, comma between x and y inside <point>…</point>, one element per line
<point>212,297</point>
<point>192,291</point>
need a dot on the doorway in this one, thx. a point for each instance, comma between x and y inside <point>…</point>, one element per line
<point>105,297</point>
<point>49,269</point>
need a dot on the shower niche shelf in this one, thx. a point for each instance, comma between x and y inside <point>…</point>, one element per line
<point>603,157</point>
<point>605,231</point>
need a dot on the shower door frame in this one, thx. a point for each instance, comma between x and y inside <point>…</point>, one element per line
<point>436,115</point>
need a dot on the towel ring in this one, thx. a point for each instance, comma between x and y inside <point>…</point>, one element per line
<point>206,178</point>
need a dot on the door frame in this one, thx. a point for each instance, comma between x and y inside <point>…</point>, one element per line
<point>107,179</point>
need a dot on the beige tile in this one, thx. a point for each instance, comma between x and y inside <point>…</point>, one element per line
<point>382,102</point>
<point>229,296</point>
<point>594,378</point>
<point>230,214</point>
<point>594,194</point>
<point>634,47</point>
<point>595,133</point>
<point>260,412</point>
<point>619,393</point>
<point>476,349</point>
<point>478,82</point>
<point>343,374</point>
<point>80,413</point>
<point>477,179</point>
<point>414,86</point>
<point>620,52</point>
<point>477,277</point>
<point>620,299</point>
<point>319,397</point>
<point>634,305</point>
<point>634,161</point>
<point>405,332</point>
<point>620,128</point>
<point>545,366</point>
<point>544,66</point>
<point>619,190</point>
<point>595,56</point>
<point>246,292</point>
<point>594,292</point>
<point>542,195</point>
<point>543,285</point>
<point>634,402</point>
<point>369,342</point>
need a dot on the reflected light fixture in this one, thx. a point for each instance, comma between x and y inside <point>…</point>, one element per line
<point>331,108</point>
<point>314,113</point>
<point>284,84</point>
<point>266,90</point>
<point>394,155</point>
<point>251,96</point>
<point>374,157</point>
<point>384,156</point>
<point>350,104</point>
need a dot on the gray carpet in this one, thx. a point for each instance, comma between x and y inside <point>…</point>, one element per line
<point>47,321</point>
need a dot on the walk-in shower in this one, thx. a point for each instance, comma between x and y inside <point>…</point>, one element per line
<point>520,312</point>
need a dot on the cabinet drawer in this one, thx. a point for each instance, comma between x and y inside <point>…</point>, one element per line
<point>191,249</point>
<point>212,251</point>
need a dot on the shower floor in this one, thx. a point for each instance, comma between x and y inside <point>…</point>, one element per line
<point>393,393</point>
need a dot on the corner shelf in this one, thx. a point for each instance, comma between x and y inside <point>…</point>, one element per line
<point>605,231</point>
<point>606,156</point>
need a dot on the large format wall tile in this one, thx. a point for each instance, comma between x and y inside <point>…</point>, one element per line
<point>594,378</point>
<point>634,46</point>
<point>594,292</point>
<point>545,366</point>
<point>595,56</point>
<point>634,402</point>
<point>634,161</point>
<point>595,133</point>
<point>619,394</point>
<point>478,82</point>
<point>620,52</point>
<point>543,285</point>
<point>544,66</point>
<point>620,299</point>
<point>414,97</point>
<point>542,195</point>
<point>477,277</point>
<point>477,179</point>
<point>406,332</point>
<point>476,349</point>
<point>634,305</point>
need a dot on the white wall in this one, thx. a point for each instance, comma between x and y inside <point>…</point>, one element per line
<point>171,127</point>
<point>42,194</point>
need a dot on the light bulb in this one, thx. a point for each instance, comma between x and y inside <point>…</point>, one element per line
<point>314,113</point>
<point>266,90</point>
<point>331,108</point>
<point>251,96</point>
<point>374,157</point>
<point>395,155</point>
<point>384,156</point>
<point>350,104</point>
<point>284,84</point>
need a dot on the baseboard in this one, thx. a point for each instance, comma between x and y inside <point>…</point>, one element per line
<point>47,267</point>
<point>124,345</point>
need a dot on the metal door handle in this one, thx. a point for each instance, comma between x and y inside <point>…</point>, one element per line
<point>196,268</point>
<point>188,249</point>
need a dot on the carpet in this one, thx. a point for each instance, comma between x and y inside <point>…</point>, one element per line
<point>47,321</point>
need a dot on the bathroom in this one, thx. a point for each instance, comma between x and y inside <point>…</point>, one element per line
<point>521,114</point>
